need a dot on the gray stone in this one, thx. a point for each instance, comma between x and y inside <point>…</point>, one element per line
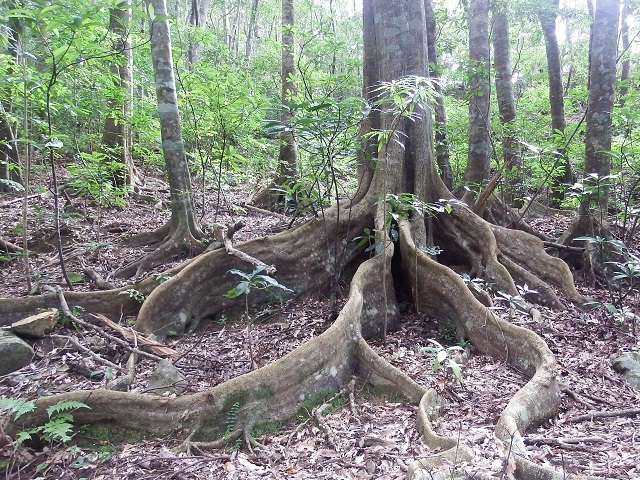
<point>629,365</point>
<point>120,384</point>
<point>166,379</point>
<point>15,353</point>
<point>39,325</point>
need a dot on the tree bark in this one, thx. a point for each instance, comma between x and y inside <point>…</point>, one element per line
<point>181,235</point>
<point>477,171</point>
<point>116,136</point>
<point>547,15</point>
<point>507,106</point>
<point>197,18</point>
<point>252,30</point>
<point>627,11</point>
<point>288,151</point>
<point>603,57</point>
<point>441,140</point>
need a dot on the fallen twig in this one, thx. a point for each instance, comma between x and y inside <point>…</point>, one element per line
<point>89,352</point>
<point>101,332</point>
<point>19,199</point>
<point>96,278</point>
<point>631,412</point>
<point>144,342</point>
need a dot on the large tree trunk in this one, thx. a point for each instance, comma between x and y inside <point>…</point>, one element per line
<point>477,171</point>
<point>306,258</point>
<point>547,15</point>
<point>507,105</point>
<point>597,163</point>
<point>116,137</point>
<point>181,235</point>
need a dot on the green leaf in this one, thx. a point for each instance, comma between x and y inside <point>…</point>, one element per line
<point>241,289</point>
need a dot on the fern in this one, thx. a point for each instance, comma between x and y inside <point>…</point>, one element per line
<point>64,406</point>
<point>16,406</point>
<point>231,419</point>
<point>58,428</point>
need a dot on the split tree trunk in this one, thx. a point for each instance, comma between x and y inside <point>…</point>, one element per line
<point>507,106</point>
<point>547,16</point>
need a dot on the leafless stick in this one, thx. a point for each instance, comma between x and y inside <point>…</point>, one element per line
<point>631,412</point>
<point>89,352</point>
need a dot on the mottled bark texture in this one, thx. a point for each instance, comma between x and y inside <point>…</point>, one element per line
<point>506,105</point>
<point>477,171</point>
<point>603,56</point>
<point>441,140</point>
<point>116,136</point>
<point>308,257</point>
<point>547,14</point>
<point>180,237</point>
<point>627,11</point>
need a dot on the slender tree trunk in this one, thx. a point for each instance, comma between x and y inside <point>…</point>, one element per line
<point>627,11</point>
<point>547,15</point>
<point>172,143</point>
<point>116,137</point>
<point>601,99</point>
<point>288,151</point>
<point>477,170</point>
<point>507,105</point>
<point>181,235</point>
<point>9,158</point>
<point>441,140</point>
<point>197,18</point>
<point>252,31</point>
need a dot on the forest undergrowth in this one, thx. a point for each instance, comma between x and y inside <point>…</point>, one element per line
<point>360,432</point>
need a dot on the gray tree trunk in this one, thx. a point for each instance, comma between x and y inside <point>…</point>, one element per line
<point>627,11</point>
<point>441,140</point>
<point>252,31</point>
<point>603,56</point>
<point>197,18</point>
<point>547,15</point>
<point>116,136</point>
<point>506,105</point>
<point>477,171</point>
<point>288,151</point>
<point>182,214</point>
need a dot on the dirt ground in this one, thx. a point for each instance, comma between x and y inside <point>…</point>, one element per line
<point>356,434</point>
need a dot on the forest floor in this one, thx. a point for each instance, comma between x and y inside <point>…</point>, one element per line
<point>356,435</point>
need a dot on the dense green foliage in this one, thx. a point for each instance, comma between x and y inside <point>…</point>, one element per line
<point>55,71</point>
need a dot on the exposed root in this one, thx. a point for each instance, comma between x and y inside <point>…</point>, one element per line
<point>180,243</point>
<point>307,259</point>
<point>328,363</point>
